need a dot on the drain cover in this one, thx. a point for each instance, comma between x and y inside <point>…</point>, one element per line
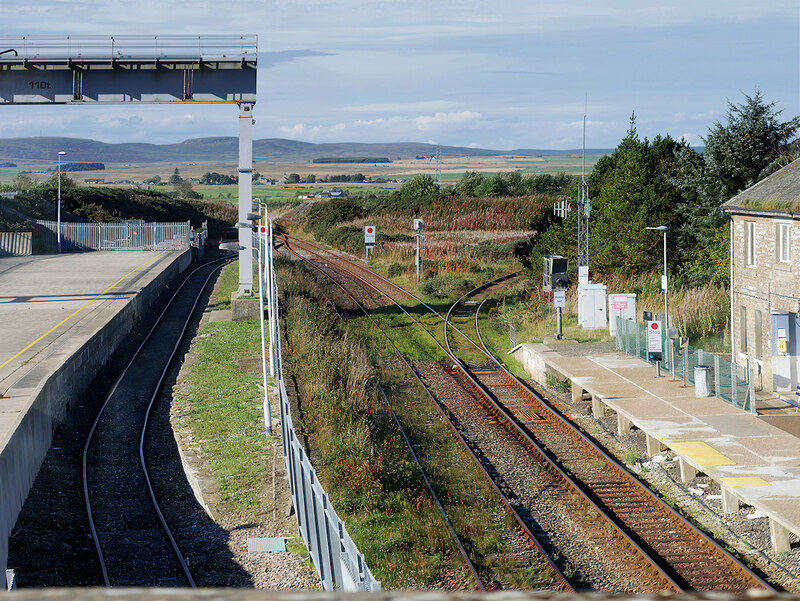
<point>265,545</point>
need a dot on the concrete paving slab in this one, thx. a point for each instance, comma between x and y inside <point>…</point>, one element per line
<point>755,459</point>
<point>737,425</point>
<point>51,304</point>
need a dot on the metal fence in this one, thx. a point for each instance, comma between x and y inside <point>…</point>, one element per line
<point>16,244</point>
<point>126,235</point>
<point>129,47</point>
<point>338,561</point>
<point>728,381</point>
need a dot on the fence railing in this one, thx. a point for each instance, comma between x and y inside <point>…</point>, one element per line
<point>128,47</point>
<point>338,561</point>
<point>16,244</point>
<point>728,381</point>
<point>127,235</point>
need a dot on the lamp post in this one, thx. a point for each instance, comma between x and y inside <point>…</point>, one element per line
<point>663,228</point>
<point>238,247</point>
<point>58,215</point>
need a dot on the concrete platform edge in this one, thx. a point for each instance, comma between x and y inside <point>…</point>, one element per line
<point>27,443</point>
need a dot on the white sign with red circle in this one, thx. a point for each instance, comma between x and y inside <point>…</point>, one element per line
<point>654,337</point>
<point>369,234</point>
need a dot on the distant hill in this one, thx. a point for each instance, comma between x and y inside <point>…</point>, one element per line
<point>44,150</point>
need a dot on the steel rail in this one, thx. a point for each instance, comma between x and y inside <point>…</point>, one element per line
<point>629,478</point>
<point>511,424</point>
<point>110,394</point>
<point>504,499</point>
<point>520,432</point>
<point>470,565</point>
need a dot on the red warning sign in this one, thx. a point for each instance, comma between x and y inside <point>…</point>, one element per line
<point>369,234</point>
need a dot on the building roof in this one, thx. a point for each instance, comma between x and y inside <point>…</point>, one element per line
<point>778,193</point>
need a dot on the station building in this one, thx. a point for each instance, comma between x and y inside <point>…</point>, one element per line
<point>765,280</point>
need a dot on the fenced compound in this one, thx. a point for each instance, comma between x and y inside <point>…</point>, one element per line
<point>126,235</point>
<point>338,561</point>
<point>728,381</point>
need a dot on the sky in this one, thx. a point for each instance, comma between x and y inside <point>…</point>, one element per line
<point>504,75</point>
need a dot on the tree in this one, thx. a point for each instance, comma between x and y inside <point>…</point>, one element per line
<point>631,189</point>
<point>492,187</point>
<point>155,180</point>
<point>256,176</point>
<point>184,189</point>
<point>311,178</point>
<point>175,178</point>
<point>22,181</point>
<point>469,182</point>
<point>293,178</point>
<point>419,189</point>
<point>752,144</point>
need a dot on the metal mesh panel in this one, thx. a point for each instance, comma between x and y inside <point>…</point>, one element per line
<point>729,381</point>
<point>127,235</point>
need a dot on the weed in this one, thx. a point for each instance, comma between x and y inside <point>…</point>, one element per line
<point>558,384</point>
<point>631,457</point>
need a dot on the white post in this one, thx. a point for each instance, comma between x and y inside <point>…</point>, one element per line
<point>273,314</point>
<point>267,410</point>
<point>58,214</point>
<point>666,313</point>
<point>245,195</point>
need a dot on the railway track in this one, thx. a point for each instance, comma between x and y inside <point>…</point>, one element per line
<point>559,580</point>
<point>134,543</point>
<point>678,556</point>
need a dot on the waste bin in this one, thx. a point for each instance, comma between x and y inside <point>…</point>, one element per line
<point>702,381</point>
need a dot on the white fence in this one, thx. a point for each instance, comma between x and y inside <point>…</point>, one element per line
<point>338,561</point>
<point>16,244</point>
<point>127,235</point>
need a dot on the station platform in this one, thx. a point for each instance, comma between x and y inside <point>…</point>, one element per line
<point>61,318</point>
<point>753,460</point>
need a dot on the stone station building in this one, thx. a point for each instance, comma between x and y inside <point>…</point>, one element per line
<point>765,280</point>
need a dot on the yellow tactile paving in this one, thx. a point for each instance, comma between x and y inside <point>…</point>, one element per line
<point>745,481</point>
<point>701,453</point>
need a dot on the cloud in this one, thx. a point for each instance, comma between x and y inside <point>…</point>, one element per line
<point>392,128</point>
<point>692,139</point>
<point>402,107</point>
<point>270,59</point>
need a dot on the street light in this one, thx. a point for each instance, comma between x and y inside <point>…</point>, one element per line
<point>663,228</point>
<point>58,216</point>
<point>237,247</point>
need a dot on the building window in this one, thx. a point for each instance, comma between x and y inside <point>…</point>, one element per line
<point>784,243</point>
<point>742,329</point>
<point>757,339</point>
<point>750,259</point>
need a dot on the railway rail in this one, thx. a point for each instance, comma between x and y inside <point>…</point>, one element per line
<point>560,581</point>
<point>681,556</point>
<point>134,543</point>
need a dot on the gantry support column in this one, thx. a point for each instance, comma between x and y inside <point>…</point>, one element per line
<point>245,196</point>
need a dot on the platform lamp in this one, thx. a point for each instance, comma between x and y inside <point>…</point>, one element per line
<point>663,228</point>
<point>237,247</point>
<point>58,215</point>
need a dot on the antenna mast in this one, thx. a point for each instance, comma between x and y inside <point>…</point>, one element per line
<point>584,209</point>
<point>439,166</point>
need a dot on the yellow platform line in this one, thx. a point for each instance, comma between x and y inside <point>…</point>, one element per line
<point>745,481</point>
<point>66,319</point>
<point>701,453</point>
